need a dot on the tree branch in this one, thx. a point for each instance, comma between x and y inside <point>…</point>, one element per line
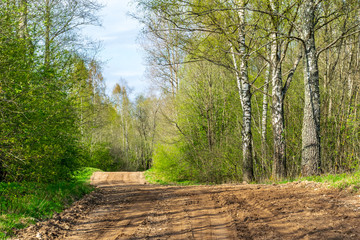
<point>290,75</point>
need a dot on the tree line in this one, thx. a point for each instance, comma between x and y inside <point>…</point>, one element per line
<point>55,114</point>
<point>242,90</point>
<point>253,89</point>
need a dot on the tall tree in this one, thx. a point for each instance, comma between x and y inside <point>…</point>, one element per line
<point>279,162</point>
<point>311,158</point>
<point>245,96</point>
<point>39,133</point>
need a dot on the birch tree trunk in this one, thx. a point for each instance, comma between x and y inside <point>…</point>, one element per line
<point>279,161</point>
<point>277,116</point>
<point>248,172</point>
<point>311,159</point>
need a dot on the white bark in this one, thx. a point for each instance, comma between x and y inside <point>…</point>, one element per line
<point>246,100</point>
<point>277,116</point>
<point>237,75</point>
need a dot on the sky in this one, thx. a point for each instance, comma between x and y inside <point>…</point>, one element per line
<point>121,54</point>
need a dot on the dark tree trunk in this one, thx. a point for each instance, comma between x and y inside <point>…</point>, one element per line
<point>2,172</point>
<point>311,158</point>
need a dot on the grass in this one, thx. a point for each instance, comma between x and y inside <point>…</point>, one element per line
<point>153,177</point>
<point>83,175</point>
<point>341,181</point>
<point>25,203</point>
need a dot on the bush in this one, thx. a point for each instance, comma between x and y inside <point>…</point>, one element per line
<point>168,165</point>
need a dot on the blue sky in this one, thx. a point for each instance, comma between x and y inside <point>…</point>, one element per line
<point>121,53</point>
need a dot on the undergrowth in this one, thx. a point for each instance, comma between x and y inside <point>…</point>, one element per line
<point>341,181</point>
<point>153,176</point>
<point>25,203</point>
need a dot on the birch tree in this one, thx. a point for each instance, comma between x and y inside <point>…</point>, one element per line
<point>58,23</point>
<point>200,22</point>
<point>279,162</point>
<point>275,35</point>
<point>245,96</point>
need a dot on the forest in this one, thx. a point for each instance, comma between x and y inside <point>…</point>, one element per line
<point>58,123</point>
<point>241,91</point>
<point>55,114</point>
<point>253,90</point>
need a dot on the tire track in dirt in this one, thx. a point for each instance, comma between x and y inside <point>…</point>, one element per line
<point>208,221</point>
<point>123,213</point>
<point>149,212</point>
<point>117,215</point>
<point>125,207</point>
<point>167,219</point>
<point>289,212</point>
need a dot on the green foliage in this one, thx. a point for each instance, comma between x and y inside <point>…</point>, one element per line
<point>39,131</point>
<point>24,203</point>
<point>152,177</point>
<point>84,174</point>
<point>205,145</point>
<point>168,165</point>
<point>101,157</point>
<point>208,109</point>
<point>40,144</point>
<point>204,113</point>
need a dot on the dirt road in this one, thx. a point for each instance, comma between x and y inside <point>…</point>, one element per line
<point>127,208</point>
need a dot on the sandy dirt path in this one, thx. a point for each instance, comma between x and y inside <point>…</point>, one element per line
<point>125,207</point>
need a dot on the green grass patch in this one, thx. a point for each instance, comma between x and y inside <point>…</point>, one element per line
<point>84,174</point>
<point>340,181</point>
<point>153,177</point>
<point>25,203</point>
